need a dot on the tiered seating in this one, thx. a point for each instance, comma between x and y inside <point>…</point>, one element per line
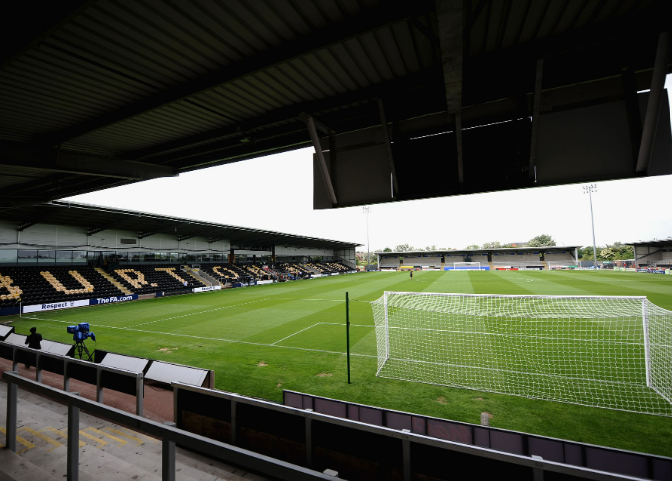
<point>337,266</point>
<point>322,269</point>
<point>293,269</point>
<point>149,279</point>
<point>257,272</point>
<point>560,258</point>
<point>227,273</point>
<point>49,284</point>
<point>428,260</point>
<point>387,262</point>
<point>517,259</point>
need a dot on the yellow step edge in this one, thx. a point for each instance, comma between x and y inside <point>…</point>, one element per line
<point>43,437</point>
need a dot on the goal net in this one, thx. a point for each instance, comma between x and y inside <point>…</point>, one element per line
<point>466,266</point>
<point>609,352</point>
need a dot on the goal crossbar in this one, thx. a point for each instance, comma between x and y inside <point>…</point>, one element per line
<point>604,351</point>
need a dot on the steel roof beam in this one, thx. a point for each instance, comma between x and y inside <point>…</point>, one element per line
<point>387,90</point>
<point>654,104</point>
<point>16,154</point>
<point>108,225</point>
<point>50,17</point>
<point>143,235</point>
<point>450,18</point>
<point>353,27</point>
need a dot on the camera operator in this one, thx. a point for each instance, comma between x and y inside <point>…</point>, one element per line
<point>34,340</point>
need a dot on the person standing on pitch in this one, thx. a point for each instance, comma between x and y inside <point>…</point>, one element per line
<point>33,340</point>
<point>411,275</point>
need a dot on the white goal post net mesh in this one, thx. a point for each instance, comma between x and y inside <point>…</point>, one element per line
<point>609,352</point>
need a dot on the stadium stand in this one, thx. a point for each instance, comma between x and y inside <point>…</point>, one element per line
<point>560,258</point>
<point>387,262</point>
<point>432,260</point>
<point>257,272</point>
<point>233,273</point>
<point>337,266</point>
<point>293,270</point>
<point>149,279</point>
<point>517,260</point>
<point>47,284</point>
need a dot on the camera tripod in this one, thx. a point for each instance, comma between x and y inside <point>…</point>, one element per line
<point>82,352</point>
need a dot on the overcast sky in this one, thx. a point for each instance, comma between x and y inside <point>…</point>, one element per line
<point>252,194</point>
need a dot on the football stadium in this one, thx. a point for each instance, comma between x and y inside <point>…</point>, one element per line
<point>138,345</point>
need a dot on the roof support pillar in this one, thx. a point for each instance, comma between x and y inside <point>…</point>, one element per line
<point>322,163</point>
<point>536,110</point>
<point>450,18</point>
<point>632,107</point>
<point>388,145</point>
<point>653,107</point>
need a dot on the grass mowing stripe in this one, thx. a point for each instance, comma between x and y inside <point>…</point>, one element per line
<point>247,331</point>
<point>198,313</point>
<point>232,341</point>
<point>303,299</point>
<point>319,324</point>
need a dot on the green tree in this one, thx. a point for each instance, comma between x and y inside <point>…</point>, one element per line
<point>491,245</point>
<point>473,246</point>
<point>387,249</point>
<point>403,248</point>
<point>543,240</point>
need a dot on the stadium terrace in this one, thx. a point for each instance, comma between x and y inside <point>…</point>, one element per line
<point>518,258</point>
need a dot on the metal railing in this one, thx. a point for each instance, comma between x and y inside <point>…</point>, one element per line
<point>167,433</point>
<point>409,442</point>
<point>68,362</point>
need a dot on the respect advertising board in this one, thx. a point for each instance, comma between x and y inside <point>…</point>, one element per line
<point>206,289</point>
<point>55,305</point>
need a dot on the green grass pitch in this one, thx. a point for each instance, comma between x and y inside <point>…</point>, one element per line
<point>261,340</point>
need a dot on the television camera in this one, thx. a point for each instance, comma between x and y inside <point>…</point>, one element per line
<point>81,333</point>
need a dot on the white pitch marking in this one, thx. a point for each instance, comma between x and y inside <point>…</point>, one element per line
<point>301,299</point>
<point>319,323</point>
<point>199,312</point>
<point>297,332</point>
<point>207,338</point>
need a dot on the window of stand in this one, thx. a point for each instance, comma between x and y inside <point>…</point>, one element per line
<point>27,256</point>
<point>48,256</point>
<point>63,256</point>
<point>8,256</point>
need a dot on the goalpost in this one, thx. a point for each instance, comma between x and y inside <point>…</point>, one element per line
<point>609,352</point>
<point>457,266</point>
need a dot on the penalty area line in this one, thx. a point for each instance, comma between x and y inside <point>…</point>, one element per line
<point>317,324</point>
<point>200,312</point>
<point>232,341</point>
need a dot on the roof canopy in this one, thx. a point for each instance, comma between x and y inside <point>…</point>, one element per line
<point>96,93</point>
<point>97,219</point>
<point>482,251</point>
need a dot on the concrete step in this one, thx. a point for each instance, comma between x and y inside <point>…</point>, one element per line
<point>107,451</point>
<point>14,467</point>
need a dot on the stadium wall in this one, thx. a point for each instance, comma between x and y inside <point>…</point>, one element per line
<point>299,251</point>
<point>69,237</point>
